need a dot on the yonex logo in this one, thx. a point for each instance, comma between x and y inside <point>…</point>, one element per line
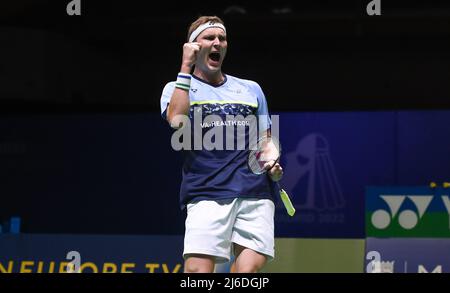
<point>408,218</point>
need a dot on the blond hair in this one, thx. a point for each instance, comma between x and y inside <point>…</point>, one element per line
<point>201,20</point>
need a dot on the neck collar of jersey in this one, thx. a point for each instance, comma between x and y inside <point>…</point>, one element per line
<point>212,84</point>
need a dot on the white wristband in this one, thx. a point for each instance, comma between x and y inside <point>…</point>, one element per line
<point>183,81</point>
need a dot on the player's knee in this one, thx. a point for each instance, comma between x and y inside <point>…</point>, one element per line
<point>198,267</point>
<point>248,268</point>
<point>194,268</point>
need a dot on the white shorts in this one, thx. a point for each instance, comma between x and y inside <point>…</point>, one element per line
<point>213,226</point>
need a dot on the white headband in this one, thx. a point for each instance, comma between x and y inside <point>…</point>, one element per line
<point>204,26</point>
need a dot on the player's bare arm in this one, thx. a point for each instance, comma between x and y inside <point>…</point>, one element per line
<point>179,102</point>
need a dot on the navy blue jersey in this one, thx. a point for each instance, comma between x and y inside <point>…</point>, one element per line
<point>217,111</point>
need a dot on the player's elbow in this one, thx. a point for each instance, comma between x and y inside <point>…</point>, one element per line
<point>177,121</point>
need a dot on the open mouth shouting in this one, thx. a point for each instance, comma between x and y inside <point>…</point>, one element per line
<point>214,58</point>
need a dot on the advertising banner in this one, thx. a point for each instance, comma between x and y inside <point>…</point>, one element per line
<point>407,255</point>
<point>45,253</point>
<point>408,212</point>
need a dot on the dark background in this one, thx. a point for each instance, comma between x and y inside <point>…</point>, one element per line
<point>307,55</point>
<point>92,77</point>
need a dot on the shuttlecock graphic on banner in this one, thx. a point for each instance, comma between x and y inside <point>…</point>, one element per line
<point>311,175</point>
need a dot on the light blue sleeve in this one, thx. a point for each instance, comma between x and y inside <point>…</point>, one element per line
<point>263,110</point>
<point>165,97</point>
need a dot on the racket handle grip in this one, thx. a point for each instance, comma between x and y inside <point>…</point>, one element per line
<point>287,203</point>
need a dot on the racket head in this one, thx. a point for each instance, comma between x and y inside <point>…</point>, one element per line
<point>266,151</point>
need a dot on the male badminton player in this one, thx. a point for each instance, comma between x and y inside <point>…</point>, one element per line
<point>230,210</point>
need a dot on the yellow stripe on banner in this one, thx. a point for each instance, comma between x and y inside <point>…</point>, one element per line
<point>224,102</point>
